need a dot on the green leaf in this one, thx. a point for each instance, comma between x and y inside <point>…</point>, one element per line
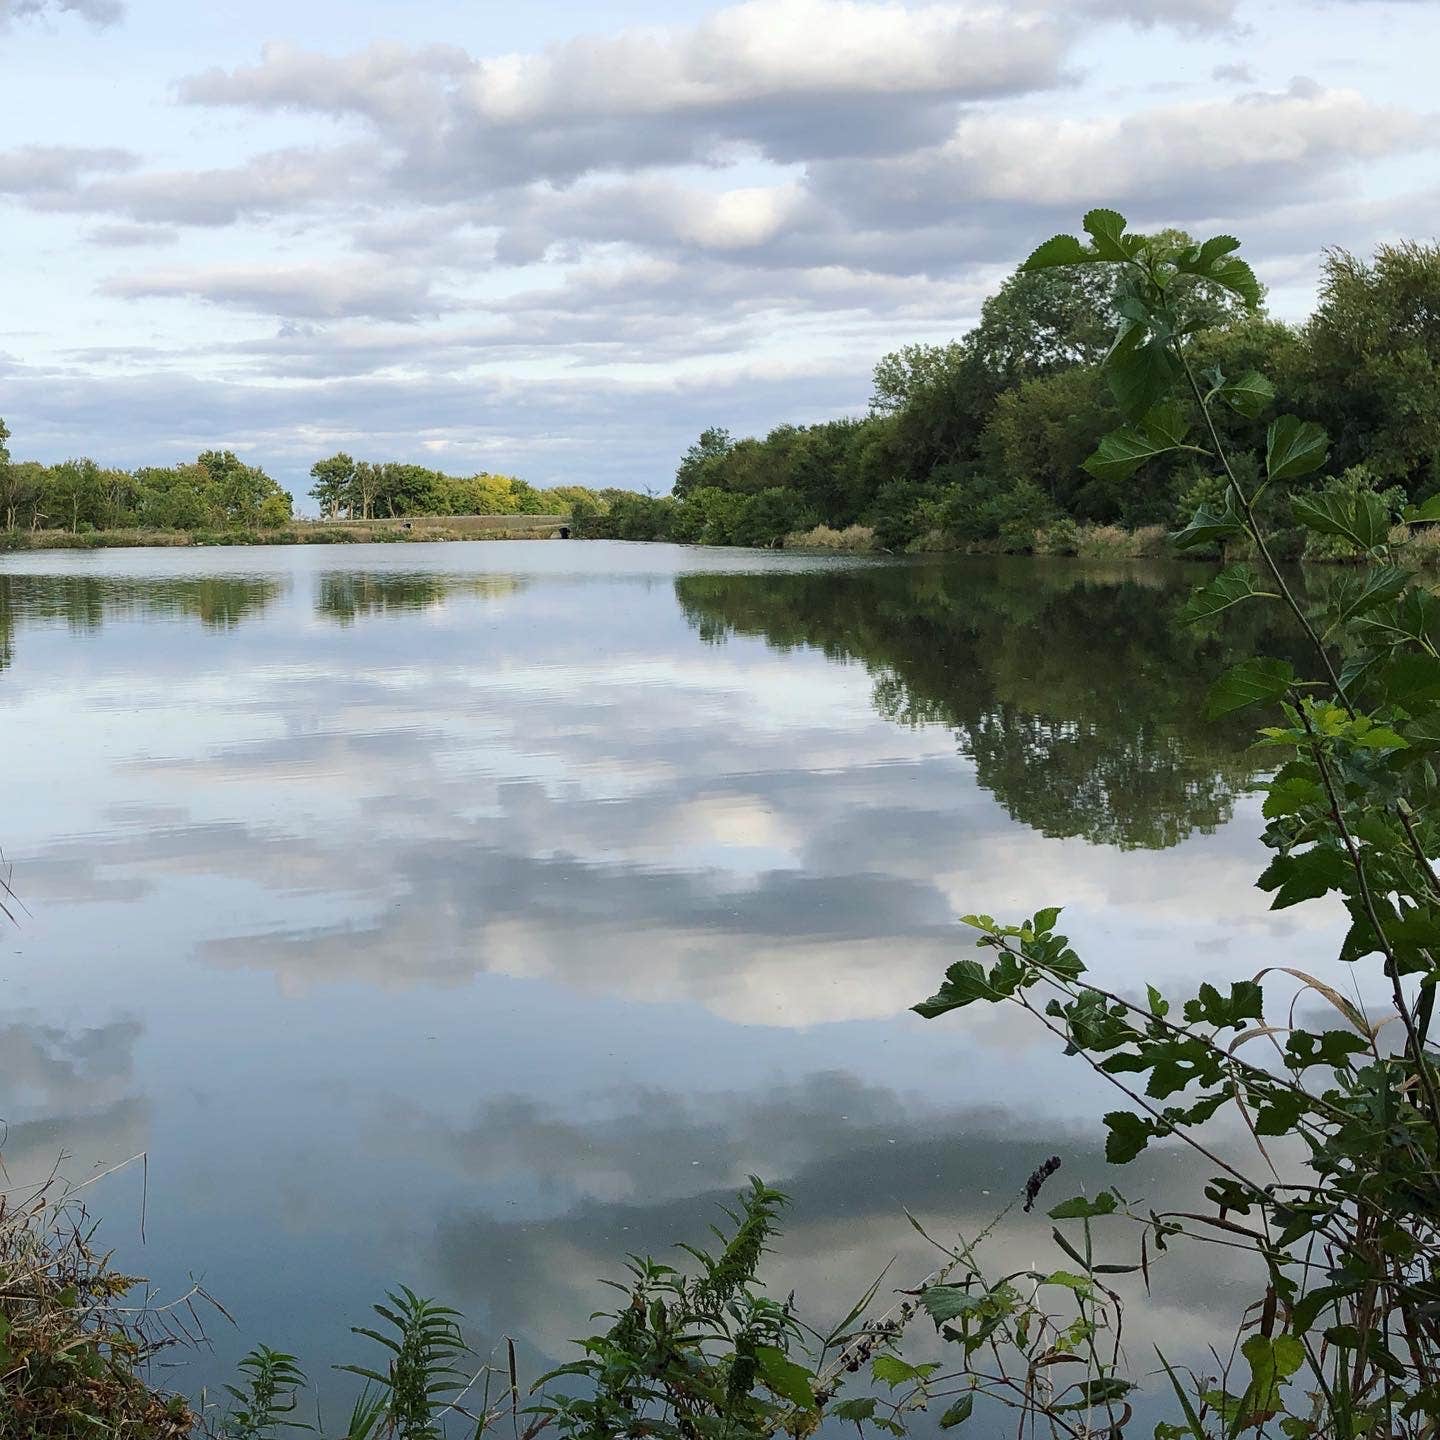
<point>854,1411</point>
<point>1290,796</point>
<point>1238,278</point>
<point>1294,447</point>
<point>1057,250</point>
<point>1411,617</point>
<point>1246,1001</point>
<point>1424,513</point>
<point>1354,595</point>
<point>1304,876</point>
<point>1107,229</point>
<point>948,1302</point>
<point>1199,259</point>
<point>1045,920</point>
<point>1121,453</point>
<point>1228,588</point>
<point>895,1371</point>
<point>958,1413</point>
<point>1272,1362</point>
<point>1361,519</point>
<point>1209,525</point>
<point>1409,680</point>
<point>1252,682</point>
<point>784,1377</point>
<point>1080,1284</point>
<point>966,982</point>
<point>1248,395</point>
<point>1081,1208</point>
<point>1141,371</point>
<point>1128,1136</point>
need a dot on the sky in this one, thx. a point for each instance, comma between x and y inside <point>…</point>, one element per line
<point>558,240</point>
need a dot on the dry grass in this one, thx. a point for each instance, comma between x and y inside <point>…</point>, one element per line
<point>1110,542</point>
<point>72,1354</point>
<point>1419,545</point>
<point>823,537</point>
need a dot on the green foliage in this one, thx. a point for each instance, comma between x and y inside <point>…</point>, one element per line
<point>271,1383</point>
<point>1369,366</point>
<point>1349,813</point>
<point>698,1354</point>
<point>420,1380</point>
<point>364,490</point>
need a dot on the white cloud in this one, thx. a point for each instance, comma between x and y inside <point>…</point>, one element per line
<point>310,292</point>
<point>41,173</point>
<point>97,12</point>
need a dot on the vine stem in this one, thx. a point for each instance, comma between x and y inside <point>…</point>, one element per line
<point>1253,527</point>
<point>1392,965</point>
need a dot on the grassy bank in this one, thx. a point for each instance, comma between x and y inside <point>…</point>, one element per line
<point>340,532</point>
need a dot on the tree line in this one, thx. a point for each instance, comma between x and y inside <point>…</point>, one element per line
<point>216,491</point>
<point>981,443</point>
<point>219,492</point>
<point>346,488</point>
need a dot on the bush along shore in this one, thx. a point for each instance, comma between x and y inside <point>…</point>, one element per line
<point>1330,1212</point>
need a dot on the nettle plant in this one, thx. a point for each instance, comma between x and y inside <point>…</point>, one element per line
<point>1344,1338</point>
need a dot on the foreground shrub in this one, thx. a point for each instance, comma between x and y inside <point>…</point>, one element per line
<point>1343,1340</point>
<point>72,1356</point>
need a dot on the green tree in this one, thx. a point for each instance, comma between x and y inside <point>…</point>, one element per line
<point>698,469</point>
<point>1044,429</point>
<point>1369,368</point>
<point>334,479</point>
<point>73,492</point>
<point>237,491</point>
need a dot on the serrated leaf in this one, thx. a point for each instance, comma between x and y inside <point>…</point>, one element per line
<point>1304,876</point>
<point>1057,250</point>
<point>1228,588</point>
<point>1128,1136</point>
<point>1294,447</point>
<point>1252,682</point>
<point>1199,258</point>
<point>1122,452</point>
<point>1357,594</point>
<point>895,1371</point>
<point>1208,525</point>
<point>1290,796</point>
<point>1248,395</point>
<point>1238,278</point>
<point>784,1377</point>
<point>1362,519</point>
<point>1141,371</point>
<point>1107,229</point>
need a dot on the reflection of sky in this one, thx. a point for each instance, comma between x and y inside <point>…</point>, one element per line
<point>475,944</point>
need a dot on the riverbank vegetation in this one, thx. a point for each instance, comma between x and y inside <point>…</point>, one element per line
<point>982,444</point>
<point>219,499</point>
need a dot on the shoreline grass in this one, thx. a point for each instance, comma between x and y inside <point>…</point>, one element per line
<point>317,533</point>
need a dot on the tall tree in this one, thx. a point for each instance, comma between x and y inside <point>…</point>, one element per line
<point>333,479</point>
<point>1370,369</point>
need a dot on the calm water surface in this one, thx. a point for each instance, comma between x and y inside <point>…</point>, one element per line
<point>472,915</point>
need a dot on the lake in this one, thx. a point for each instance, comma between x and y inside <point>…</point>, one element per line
<point>471,915</point>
